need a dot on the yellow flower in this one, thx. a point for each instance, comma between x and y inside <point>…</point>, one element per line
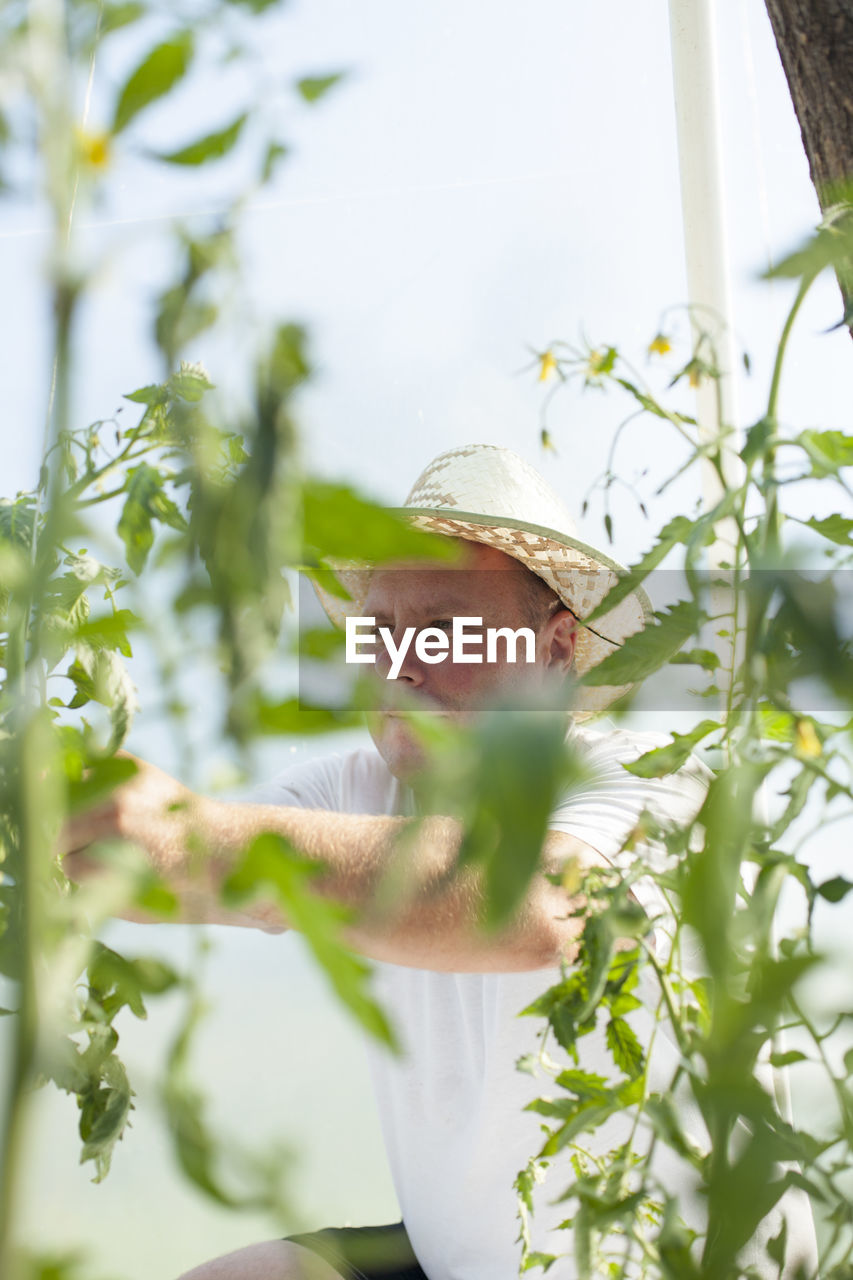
<point>93,148</point>
<point>547,365</point>
<point>599,364</point>
<point>660,345</point>
<point>807,741</point>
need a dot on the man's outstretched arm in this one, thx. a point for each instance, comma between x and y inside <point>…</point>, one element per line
<point>194,843</point>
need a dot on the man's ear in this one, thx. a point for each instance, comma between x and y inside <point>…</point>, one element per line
<point>559,636</point>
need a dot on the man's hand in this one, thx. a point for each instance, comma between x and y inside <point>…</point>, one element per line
<point>152,809</point>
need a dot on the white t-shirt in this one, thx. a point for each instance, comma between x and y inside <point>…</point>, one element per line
<point>451,1108</point>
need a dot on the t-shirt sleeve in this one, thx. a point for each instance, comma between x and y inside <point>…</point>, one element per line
<point>311,784</point>
<point>604,809</point>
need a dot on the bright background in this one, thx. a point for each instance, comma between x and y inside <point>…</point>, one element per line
<point>487,179</point>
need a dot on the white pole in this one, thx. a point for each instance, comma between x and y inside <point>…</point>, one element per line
<point>695,80</point>
<point>697,109</point>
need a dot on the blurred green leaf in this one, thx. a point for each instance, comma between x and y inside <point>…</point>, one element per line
<point>100,675</point>
<point>105,1107</point>
<point>116,16</point>
<point>788,1058</point>
<point>665,760</point>
<point>145,502</point>
<point>213,146</point>
<point>677,531</point>
<point>830,246</point>
<point>704,658</point>
<point>626,1048</point>
<point>312,88</point>
<point>828,451</point>
<point>117,981</point>
<point>194,1146</point>
<point>189,382</point>
<point>293,716</point>
<point>775,723</point>
<point>274,154</point>
<point>99,781</point>
<point>269,864</point>
<point>647,650</point>
<point>109,631</point>
<point>835,527</point>
<point>150,395</point>
<point>339,524</point>
<point>834,890</point>
<point>154,77</point>
<point>521,764</point>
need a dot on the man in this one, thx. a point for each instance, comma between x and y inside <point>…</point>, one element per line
<point>452,1107</point>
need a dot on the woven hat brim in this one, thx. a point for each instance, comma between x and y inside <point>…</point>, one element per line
<point>577,572</point>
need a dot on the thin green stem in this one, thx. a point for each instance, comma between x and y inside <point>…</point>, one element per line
<point>772,528</point>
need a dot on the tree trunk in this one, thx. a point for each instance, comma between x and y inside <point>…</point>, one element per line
<point>815,42</point>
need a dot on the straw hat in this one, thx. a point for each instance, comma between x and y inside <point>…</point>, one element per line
<point>487,494</point>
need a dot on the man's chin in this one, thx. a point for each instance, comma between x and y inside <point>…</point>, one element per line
<point>398,744</point>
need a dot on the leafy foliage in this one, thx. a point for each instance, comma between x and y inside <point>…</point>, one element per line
<point>716,971</point>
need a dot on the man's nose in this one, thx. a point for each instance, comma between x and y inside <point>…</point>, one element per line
<point>408,667</point>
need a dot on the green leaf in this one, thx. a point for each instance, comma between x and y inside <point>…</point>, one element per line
<point>705,658</point>
<point>651,405</point>
<point>101,676</point>
<point>155,76</point>
<point>520,766</point>
<point>144,503</point>
<point>275,152</point>
<point>828,451</point>
<point>535,1259</point>
<point>108,631</point>
<point>626,1049</point>
<point>193,1142</point>
<point>786,1059</point>
<point>584,1119</point>
<point>99,780</point>
<point>270,864</point>
<point>584,1084</point>
<point>835,527</point>
<point>646,651</point>
<point>293,716</point>
<point>312,88</point>
<point>150,395</point>
<point>677,531</point>
<point>190,382</point>
<point>668,1124</point>
<point>115,16</point>
<point>211,147</point>
<point>134,526</point>
<point>117,981</point>
<point>664,760</point>
<point>834,890</point>
<point>16,520</point>
<point>104,1112</point>
<point>340,524</point>
<point>830,246</point>
<point>775,723</point>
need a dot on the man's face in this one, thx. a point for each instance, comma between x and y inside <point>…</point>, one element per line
<point>487,585</point>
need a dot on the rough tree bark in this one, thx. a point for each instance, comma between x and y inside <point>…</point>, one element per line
<point>815,42</point>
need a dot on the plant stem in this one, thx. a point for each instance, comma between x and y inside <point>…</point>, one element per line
<point>773,524</point>
<point>52,95</point>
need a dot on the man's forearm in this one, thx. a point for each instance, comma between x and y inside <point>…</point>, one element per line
<point>411,904</point>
